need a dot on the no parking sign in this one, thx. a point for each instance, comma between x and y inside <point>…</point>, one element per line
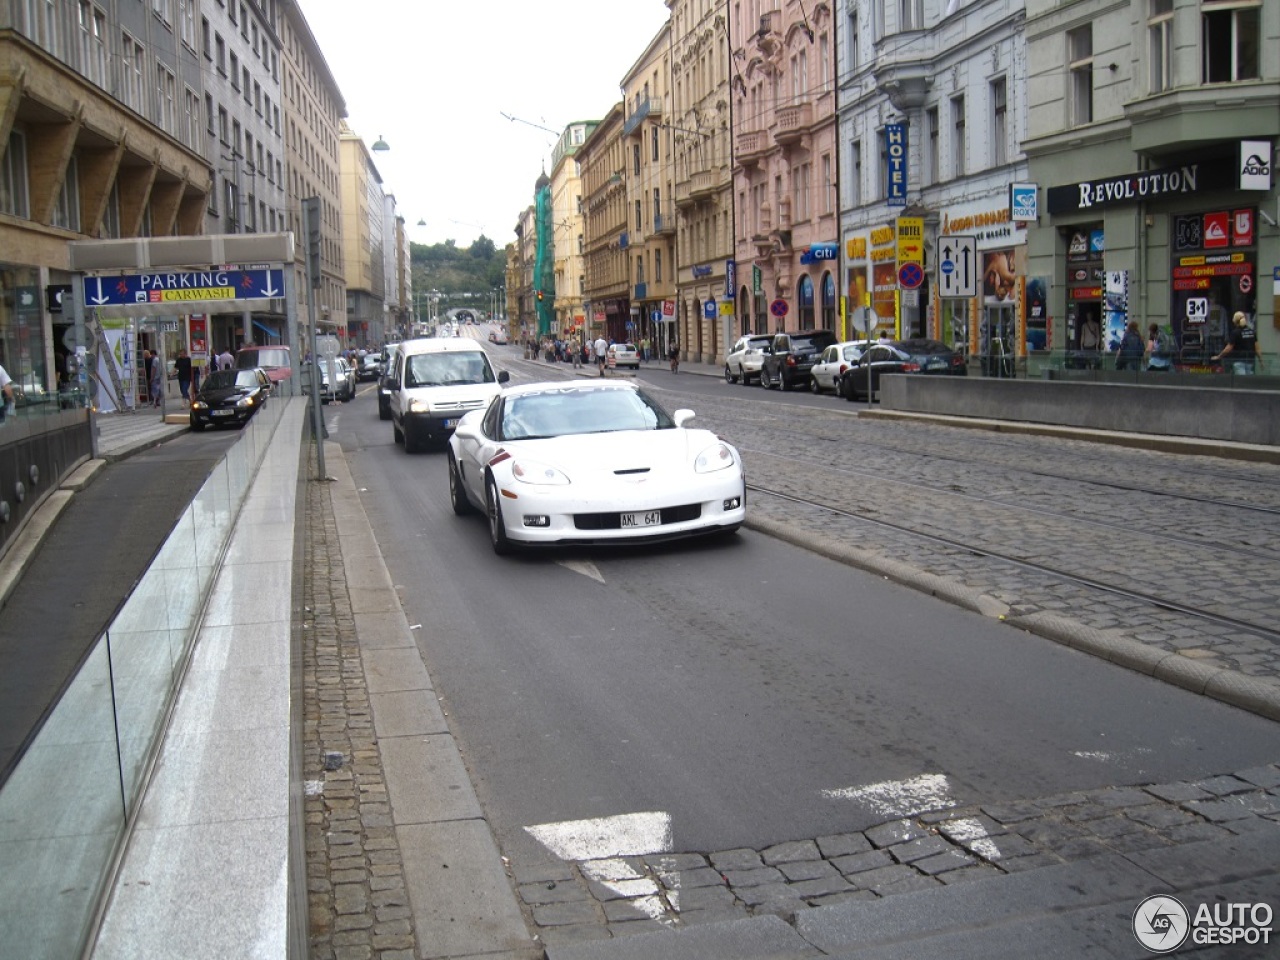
<point>778,308</point>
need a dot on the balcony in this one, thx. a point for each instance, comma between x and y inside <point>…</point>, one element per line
<point>664,223</point>
<point>704,184</point>
<point>751,146</point>
<point>794,121</point>
<point>647,108</point>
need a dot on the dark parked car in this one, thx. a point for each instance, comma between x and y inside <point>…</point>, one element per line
<point>791,356</point>
<point>931,357</point>
<point>229,396</point>
<point>369,367</point>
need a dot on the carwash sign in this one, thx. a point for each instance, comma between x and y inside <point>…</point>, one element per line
<point>193,286</point>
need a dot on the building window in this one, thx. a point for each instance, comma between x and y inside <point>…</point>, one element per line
<point>911,15</point>
<point>163,9</point>
<point>639,217</point>
<point>1230,36</point>
<point>66,211</point>
<point>828,184</point>
<point>193,119</point>
<point>999,123</point>
<point>235,72</point>
<point>14,199</point>
<point>134,71</point>
<point>800,75</point>
<point>42,24</point>
<point>166,100</point>
<point>635,158</point>
<point>1160,40</point>
<point>657,206</point>
<point>654,138</point>
<point>221,46</point>
<point>931,155</point>
<point>957,136</point>
<point>855,170</point>
<point>93,43</point>
<point>657,266</point>
<point>800,192</point>
<point>111,215</point>
<point>1080,67</point>
<point>187,22</point>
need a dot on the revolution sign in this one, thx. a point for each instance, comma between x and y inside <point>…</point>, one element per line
<point>198,286</point>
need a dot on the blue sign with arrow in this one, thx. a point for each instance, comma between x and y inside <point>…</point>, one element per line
<point>192,286</point>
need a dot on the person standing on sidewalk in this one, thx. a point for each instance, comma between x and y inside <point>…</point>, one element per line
<point>1243,346</point>
<point>601,348</point>
<point>182,367</point>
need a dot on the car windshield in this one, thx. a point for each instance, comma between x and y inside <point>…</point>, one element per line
<point>262,357</point>
<point>443,369</point>
<point>813,341</point>
<point>576,410</point>
<point>852,351</point>
<point>225,379</point>
<point>757,343</point>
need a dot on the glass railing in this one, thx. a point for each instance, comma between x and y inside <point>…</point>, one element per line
<point>1078,365</point>
<point>64,808</point>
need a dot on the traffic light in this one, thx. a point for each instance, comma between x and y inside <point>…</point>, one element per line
<point>539,294</point>
<point>311,216</point>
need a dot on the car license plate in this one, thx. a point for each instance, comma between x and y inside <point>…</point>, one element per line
<point>221,413</point>
<point>650,518</point>
<point>448,424</point>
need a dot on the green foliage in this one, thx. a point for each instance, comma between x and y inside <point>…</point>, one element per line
<point>453,271</point>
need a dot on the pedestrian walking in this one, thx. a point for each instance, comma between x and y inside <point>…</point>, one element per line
<point>182,367</point>
<point>1242,346</point>
<point>157,382</point>
<point>674,355</point>
<point>1129,353</point>
<point>601,348</point>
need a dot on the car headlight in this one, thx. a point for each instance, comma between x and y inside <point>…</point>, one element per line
<point>419,406</point>
<point>716,457</point>
<point>530,471</point>
<point>244,402</point>
<point>199,405</point>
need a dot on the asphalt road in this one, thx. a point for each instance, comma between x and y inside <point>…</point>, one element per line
<point>751,690</point>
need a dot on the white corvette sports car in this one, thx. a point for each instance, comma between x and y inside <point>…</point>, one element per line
<point>578,463</point>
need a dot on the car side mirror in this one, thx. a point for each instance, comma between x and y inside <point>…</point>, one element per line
<point>503,376</point>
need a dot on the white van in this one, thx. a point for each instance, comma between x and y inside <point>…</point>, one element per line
<point>433,383</point>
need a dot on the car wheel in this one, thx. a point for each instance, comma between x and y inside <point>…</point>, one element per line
<point>497,528</point>
<point>783,386</point>
<point>813,384</point>
<point>457,496</point>
<point>384,413</point>
<point>396,433</point>
<point>764,378</point>
<point>728,375</point>
<point>198,427</point>
<point>411,442</point>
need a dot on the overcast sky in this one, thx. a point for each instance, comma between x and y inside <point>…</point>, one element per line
<point>434,77</point>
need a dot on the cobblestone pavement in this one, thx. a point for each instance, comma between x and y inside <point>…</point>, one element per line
<point>604,898</point>
<point>359,905</point>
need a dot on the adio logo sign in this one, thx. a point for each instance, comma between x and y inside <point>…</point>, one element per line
<point>1255,165</point>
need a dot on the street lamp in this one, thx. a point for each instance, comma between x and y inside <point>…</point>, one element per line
<point>380,145</point>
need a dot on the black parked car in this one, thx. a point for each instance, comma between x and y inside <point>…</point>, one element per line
<point>791,356</point>
<point>932,357</point>
<point>229,397</point>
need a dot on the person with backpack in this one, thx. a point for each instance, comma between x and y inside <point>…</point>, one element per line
<point>1129,356</point>
<point>1243,346</point>
<point>1159,348</point>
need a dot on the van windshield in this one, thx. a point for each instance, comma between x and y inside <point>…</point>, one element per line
<point>262,357</point>
<point>447,369</point>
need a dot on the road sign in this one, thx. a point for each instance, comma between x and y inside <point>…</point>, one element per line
<point>778,308</point>
<point>185,287</point>
<point>709,310</point>
<point>910,276</point>
<point>910,240</point>
<point>958,267</point>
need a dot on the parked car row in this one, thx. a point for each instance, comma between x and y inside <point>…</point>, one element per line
<point>850,369</point>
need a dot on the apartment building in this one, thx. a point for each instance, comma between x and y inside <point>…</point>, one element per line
<point>520,284</point>
<point>363,238</point>
<point>784,121</point>
<point>703,168</point>
<point>933,108</point>
<point>606,271</point>
<point>650,183</point>
<point>314,109</point>
<point>567,226</point>
<point>1151,135</point>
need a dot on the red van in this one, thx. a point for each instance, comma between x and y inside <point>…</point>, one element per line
<point>275,360</point>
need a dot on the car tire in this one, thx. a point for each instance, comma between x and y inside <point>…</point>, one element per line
<point>764,378</point>
<point>783,386</point>
<point>384,413</point>
<point>396,433</point>
<point>813,384</point>
<point>493,511</point>
<point>457,495</point>
<point>411,442</point>
<point>198,427</point>
<point>728,375</point>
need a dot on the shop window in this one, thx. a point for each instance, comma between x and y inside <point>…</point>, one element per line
<point>804,294</point>
<point>1084,282</point>
<point>828,302</point>
<point>911,15</point>
<point>14,199</point>
<point>1230,41</point>
<point>1080,68</point>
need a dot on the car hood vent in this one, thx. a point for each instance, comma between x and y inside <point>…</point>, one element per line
<point>623,473</point>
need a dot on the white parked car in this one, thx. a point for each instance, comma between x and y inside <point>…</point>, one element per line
<point>625,355</point>
<point>833,363</point>
<point>433,384</point>
<point>744,360</point>
<point>592,462</point>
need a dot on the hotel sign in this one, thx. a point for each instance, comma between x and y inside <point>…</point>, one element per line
<point>895,144</point>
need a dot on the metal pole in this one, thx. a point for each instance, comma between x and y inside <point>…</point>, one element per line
<point>316,414</point>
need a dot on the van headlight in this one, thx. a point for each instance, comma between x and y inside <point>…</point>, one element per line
<point>419,406</point>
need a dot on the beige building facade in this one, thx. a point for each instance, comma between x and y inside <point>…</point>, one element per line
<point>363,238</point>
<point>607,266</point>
<point>567,225</point>
<point>702,160</point>
<point>650,239</point>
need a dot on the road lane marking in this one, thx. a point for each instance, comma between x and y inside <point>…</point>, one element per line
<point>900,798</point>
<point>584,567</point>
<point>625,835</point>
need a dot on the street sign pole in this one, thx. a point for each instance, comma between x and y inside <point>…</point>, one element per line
<point>310,229</point>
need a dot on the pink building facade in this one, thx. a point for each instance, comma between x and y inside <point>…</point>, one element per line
<point>784,173</point>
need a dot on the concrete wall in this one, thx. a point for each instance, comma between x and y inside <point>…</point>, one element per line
<point>1238,416</point>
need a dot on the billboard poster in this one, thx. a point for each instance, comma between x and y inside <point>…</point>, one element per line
<point>999,277</point>
<point>1116,306</point>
